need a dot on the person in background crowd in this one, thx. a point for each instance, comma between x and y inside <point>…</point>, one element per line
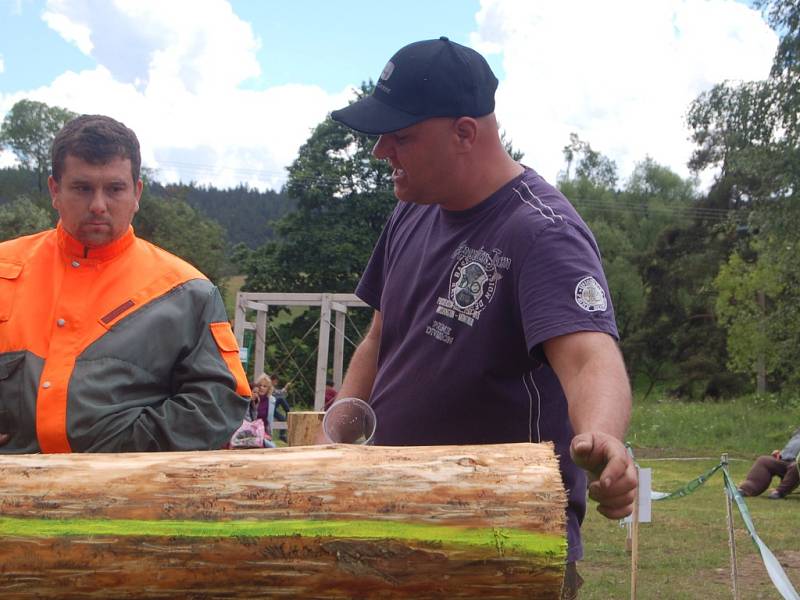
<point>107,342</point>
<point>330,394</point>
<point>282,406</point>
<point>266,401</point>
<point>781,463</point>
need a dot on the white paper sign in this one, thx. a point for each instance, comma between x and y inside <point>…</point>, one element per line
<point>645,479</point>
<point>645,493</point>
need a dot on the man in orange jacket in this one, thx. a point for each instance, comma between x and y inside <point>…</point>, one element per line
<point>107,342</point>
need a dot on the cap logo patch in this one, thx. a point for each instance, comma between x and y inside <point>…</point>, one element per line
<point>387,71</point>
<point>590,296</point>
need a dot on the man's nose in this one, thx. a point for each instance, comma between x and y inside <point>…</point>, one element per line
<point>99,202</point>
<point>382,148</point>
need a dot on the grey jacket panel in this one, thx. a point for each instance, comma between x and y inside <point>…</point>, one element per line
<point>792,447</point>
<point>156,381</point>
<point>19,377</point>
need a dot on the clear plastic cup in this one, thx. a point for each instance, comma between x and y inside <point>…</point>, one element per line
<point>349,421</point>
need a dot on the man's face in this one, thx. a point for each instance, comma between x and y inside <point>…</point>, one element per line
<point>421,156</point>
<point>96,203</point>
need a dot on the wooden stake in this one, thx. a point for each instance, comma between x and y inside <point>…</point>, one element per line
<point>303,426</point>
<point>731,537</point>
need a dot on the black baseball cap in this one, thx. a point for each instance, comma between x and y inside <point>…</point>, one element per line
<point>431,78</point>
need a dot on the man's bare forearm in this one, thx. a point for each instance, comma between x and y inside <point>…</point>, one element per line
<point>364,365</point>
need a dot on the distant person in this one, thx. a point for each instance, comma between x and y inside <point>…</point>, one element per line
<point>330,394</point>
<point>493,319</point>
<point>255,400</point>
<point>277,390</point>
<point>107,342</point>
<point>781,463</point>
<point>267,402</point>
<point>282,406</point>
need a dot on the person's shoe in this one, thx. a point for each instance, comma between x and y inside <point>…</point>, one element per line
<point>742,492</point>
<point>775,495</point>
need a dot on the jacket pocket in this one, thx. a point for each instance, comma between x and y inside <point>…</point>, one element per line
<point>9,272</point>
<point>11,374</point>
<point>229,350</point>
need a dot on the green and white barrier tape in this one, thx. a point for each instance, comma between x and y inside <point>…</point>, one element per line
<point>689,487</point>
<point>774,569</point>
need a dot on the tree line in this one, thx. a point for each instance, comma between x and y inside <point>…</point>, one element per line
<point>705,284</point>
<point>199,223</point>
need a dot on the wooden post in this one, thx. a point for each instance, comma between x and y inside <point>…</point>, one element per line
<point>239,319</point>
<point>259,365</point>
<point>303,426</point>
<point>731,536</point>
<point>311,522</point>
<point>635,539</point>
<point>322,352</point>
<point>338,345</point>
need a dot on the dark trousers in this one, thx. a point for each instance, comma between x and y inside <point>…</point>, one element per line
<point>762,472</point>
<point>572,582</point>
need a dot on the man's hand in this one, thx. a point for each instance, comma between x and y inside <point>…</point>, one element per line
<point>611,472</point>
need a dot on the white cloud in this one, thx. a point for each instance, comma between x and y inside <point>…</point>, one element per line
<point>172,72</point>
<point>71,30</point>
<point>7,159</point>
<point>620,74</point>
<point>2,64</point>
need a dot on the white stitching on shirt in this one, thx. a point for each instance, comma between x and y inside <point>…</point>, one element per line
<point>552,218</point>
<point>530,408</point>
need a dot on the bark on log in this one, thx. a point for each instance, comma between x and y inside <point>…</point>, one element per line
<point>303,426</point>
<point>307,522</point>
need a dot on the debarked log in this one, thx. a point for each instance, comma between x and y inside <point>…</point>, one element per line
<point>307,522</point>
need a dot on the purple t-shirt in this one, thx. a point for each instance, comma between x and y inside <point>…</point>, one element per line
<point>466,300</point>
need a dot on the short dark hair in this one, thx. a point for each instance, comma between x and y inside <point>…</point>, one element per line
<point>97,139</point>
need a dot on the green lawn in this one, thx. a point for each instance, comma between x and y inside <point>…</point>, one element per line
<point>683,553</point>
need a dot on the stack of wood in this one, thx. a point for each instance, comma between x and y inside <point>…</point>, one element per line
<point>301,522</point>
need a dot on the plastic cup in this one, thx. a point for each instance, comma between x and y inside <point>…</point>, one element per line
<point>349,421</point>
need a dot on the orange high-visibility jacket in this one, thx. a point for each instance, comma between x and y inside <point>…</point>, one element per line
<point>120,348</point>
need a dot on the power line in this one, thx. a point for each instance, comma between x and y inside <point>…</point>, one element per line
<point>311,181</point>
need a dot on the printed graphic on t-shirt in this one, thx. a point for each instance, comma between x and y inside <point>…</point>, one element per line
<point>590,295</point>
<point>473,282</point>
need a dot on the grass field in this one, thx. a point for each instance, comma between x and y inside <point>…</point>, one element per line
<point>683,553</point>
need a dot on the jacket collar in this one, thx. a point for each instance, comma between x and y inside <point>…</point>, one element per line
<point>73,248</point>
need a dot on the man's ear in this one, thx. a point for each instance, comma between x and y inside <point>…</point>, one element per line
<point>466,131</point>
<point>52,186</point>
<point>138,187</point>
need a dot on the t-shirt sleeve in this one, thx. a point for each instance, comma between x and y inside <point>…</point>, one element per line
<point>370,286</point>
<point>562,288</point>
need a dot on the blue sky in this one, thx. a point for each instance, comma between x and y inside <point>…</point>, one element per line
<point>225,92</point>
<point>329,44</point>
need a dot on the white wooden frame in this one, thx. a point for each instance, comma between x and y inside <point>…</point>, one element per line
<point>329,304</point>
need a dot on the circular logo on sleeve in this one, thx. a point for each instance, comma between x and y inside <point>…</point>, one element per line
<point>589,295</point>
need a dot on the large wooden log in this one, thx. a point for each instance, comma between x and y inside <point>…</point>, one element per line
<point>306,522</point>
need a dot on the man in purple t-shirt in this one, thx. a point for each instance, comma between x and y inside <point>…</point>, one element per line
<point>493,322</point>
